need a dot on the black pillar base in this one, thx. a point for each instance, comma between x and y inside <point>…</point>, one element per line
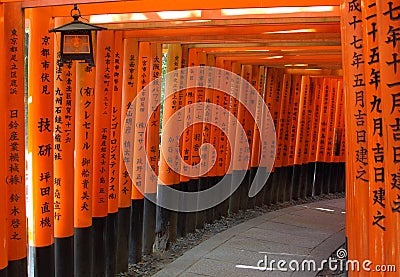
<point>319,178</point>
<point>136,229</point>
<point>111,244</point>
<point>288,172</point>
<point>268,189</point>
<point>310,179</point>
<point>83,252</point>
<point>149,224</point>
<point>99,246</point>
<point>244,191</point>
<point>19,268</point>
<point>181,228</point>
<point>64,256</point>
<point>224,206</point>
<point>201,216</point>
<point>211,181</point>
<point>296,181</point>
<point>327,170</point>
<point>123,239</point>
<point>191,217</point>
<point>234,200</point>
<point>304,181</point>
<point>43,261</point>
<point>3,272</point>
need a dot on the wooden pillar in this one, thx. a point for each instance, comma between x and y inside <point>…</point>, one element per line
<point>152,146</point>
<point>83,177</point>
<point>3,184</point>
<point>126,191</point>
<point>115,146</point>
<point>40,142</point>
<point>101,147</point>
<point>139,155</point>
<point>387,32</point>
<point>312,165</point>
<point>189,184</point>
<point>169,159</point>
<point>257,145</point>
<point>14,151</point>
<point>357,185</point>
<point>64,146</point>
<point>284,191</point>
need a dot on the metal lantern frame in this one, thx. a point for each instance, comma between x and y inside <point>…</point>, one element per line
<point>77,34</point>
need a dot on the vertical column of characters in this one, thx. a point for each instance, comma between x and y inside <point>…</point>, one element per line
<point>168,175</point>
<point>188,117</point>
<point>3,148</point>
<point>64,146</point>
<point>206,153</point>
<point>354,77</point>
<point>153,126</point>
<point>215,132</point>
<point>101,146</point>
<point>283,117</point>
<point>40,141</point>
<point>259,84</point>
<point>139,153</point>
<point>229,101</point>
<point>289,92</point>
<point>115,127</point>
<point>388,31</point>
<point>126,190</point>
<point>317,87</point>
<point>338,136</point>
<point>129,92</point>
<point>198,114</point>
<point>83,177</point>
<point>271,186</point>
<point>296,87</point>
<point>375,135</point>
<point>328,185</point>
<point>233,88</point>
<point>15,133</point>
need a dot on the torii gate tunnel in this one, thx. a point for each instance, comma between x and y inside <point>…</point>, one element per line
<point>193,110</point>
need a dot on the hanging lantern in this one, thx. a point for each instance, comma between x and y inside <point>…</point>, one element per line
<point>76,39</point>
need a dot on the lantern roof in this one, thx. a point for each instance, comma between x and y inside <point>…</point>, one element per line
<point>77,25</point>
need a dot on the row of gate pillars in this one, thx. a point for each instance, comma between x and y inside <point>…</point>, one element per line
<point>85,217</point>
<point>87,211</point>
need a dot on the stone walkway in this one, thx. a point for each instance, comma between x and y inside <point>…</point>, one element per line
<point>298,235</point>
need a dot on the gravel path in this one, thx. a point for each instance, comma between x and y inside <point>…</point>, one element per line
<point>155,262</point>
